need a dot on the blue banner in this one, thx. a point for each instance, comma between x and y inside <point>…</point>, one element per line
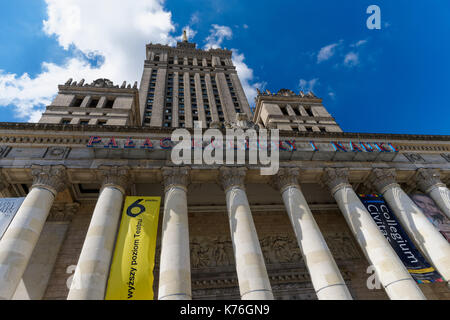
<point>389,226</point>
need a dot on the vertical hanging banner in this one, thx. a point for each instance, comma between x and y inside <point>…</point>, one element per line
<point>433,213</point>
<point>8,209</point>
<point>389,226</point>
<point>131,275</point>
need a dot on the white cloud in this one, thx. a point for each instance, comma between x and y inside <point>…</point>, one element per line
<point>31,95</point>
<point>246,76</point>
<point>194,19</point>
<point>114,29</point>
<point>351,59</point>
<point>217,35</point>
<point>359,43</point>
<point>326,52</point>
<point>332,95</point>
<point>308,85</point>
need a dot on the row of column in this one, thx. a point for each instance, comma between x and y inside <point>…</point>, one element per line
<point>90,278</point>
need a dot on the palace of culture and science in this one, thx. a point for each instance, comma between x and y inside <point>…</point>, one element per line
<point>313,230</point>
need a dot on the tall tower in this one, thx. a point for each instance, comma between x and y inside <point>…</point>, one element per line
<point>184,84</point>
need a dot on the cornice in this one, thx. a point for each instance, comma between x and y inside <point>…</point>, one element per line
<point>16,127</point>
<point>194,51</point>
<point>99,90</point>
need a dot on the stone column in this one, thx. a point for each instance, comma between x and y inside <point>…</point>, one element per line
<point>251,270</point>
<point>416,224</point>
<point>390,270</point>
<point>38,272</point>
<point>175,262</point>
<point>429,182</point>
<point>19,241</point>
<point>92,271</point>
<point>325,276</point>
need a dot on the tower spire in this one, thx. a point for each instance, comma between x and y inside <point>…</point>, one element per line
<point>185,38</point>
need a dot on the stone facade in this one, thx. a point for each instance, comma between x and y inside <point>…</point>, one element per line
<point>98,103</point>
<point>288,111</point>
<point>225,232</point>
<point>184,84</point>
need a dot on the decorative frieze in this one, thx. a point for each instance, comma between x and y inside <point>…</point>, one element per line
<point>428,179</point>
<point>217,252</point>
<point>232,177</point>
<point>57,153</point>
<point>176,177</point>
<point>52,178</point>
<point>446,156</point>
<point>414,157</point>
<point>335,178</point>
<point>382,179</point>
<point>63,212</point>
<point>113,176</point>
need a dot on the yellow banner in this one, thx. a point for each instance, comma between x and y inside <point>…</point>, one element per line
<point>131,275</point>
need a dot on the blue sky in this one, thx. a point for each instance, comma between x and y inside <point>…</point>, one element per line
<point>393,80</point>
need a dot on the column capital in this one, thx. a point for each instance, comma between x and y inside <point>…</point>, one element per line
<point>52,178</point>
<point>285,178</point>
<point>116,177</point>
<point>428,179</point>
<point>335,179</point>
<point>383,179</point>
<point>176,177</point>
<point>231,177</point>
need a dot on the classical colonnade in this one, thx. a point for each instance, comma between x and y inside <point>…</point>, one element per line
<point>91,274</point>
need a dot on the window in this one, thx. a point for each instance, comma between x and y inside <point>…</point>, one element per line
<point>84,122</point>
<point>309,111</point>
<point>296,110</point>
<point>101,122</point>
<point>284,110</point>
<point>77,103</point>
<point>65,121</point>
<point>93,103</point>
<point>309,129</point>
<point>109,103</point>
